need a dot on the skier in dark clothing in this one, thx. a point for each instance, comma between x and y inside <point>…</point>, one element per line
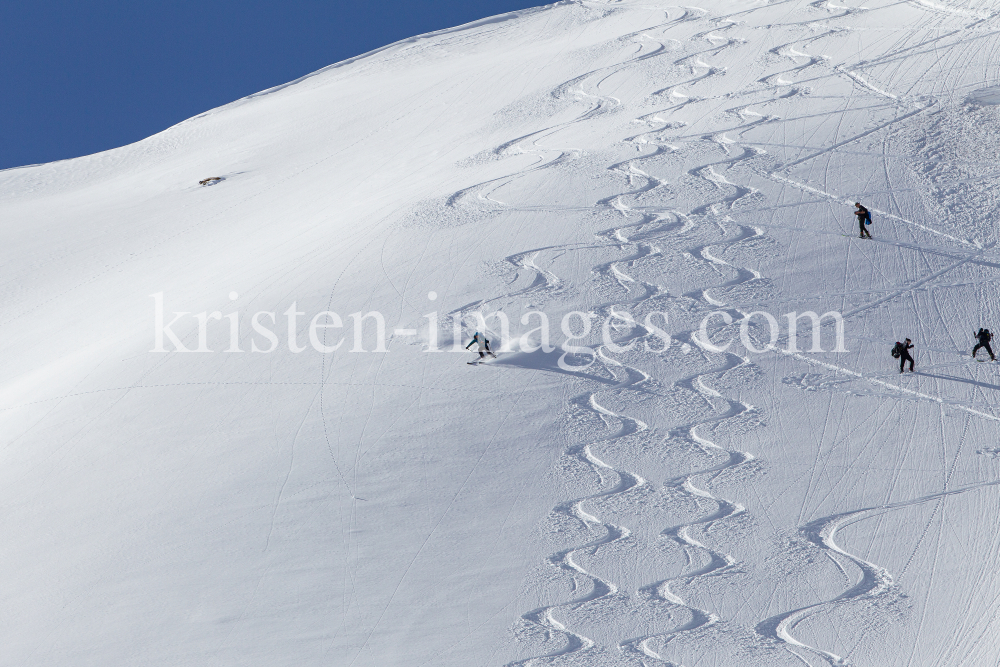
<point>484,345</point>
<point>984,337</point>
<point>864,218</point>
<point>901,352</point>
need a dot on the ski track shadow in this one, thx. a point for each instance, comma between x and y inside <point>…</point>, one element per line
<point>954,378</point>
<point>547,362</point>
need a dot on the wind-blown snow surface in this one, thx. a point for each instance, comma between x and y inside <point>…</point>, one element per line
<point>682,507</point>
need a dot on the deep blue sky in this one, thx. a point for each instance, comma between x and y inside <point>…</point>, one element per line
<point>82,77</point>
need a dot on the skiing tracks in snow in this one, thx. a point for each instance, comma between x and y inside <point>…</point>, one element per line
<point>703,559</point>
<point>639,239</point>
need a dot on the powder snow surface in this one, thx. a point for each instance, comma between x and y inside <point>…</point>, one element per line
<point>677,507</point>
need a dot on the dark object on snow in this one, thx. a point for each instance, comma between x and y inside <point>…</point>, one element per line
<point>900,351</point>
<point>211,180</point>
<point>864,218</point>
<point>984,337</point>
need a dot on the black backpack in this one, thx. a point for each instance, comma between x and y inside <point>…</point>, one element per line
<point>897,350</point>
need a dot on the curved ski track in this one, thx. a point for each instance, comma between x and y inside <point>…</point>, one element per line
<point>641,236</point>
<point>875,580</point>
<point>718,562</point>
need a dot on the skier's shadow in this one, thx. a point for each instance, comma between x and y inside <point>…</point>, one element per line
<point>548,362</point>
<point>984,385</point>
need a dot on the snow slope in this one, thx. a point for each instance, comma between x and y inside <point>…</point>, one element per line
<point>675,507</point>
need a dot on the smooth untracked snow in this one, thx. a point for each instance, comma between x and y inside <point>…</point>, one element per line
<point>402,508</point>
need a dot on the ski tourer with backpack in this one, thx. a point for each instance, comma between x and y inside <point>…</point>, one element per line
<point>901,351</point>
<point>983,336</point>
<point>864,219</point>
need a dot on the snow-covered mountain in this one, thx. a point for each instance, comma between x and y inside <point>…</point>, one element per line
<point>227,486</point>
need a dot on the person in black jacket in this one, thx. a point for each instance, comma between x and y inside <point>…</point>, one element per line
<point>901,350</point>
<point>863,217</point>
<point>984,337</point>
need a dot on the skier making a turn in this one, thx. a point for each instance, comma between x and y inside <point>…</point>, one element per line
<point>864,218</point>
<point>484,345</point>
<point>901,352</point>
<point>984,337</point>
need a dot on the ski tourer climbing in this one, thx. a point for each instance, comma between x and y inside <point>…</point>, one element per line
<point>864,218</point>
<point>901,352</point>
<point>484,345</point>
<point>984,337</point>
